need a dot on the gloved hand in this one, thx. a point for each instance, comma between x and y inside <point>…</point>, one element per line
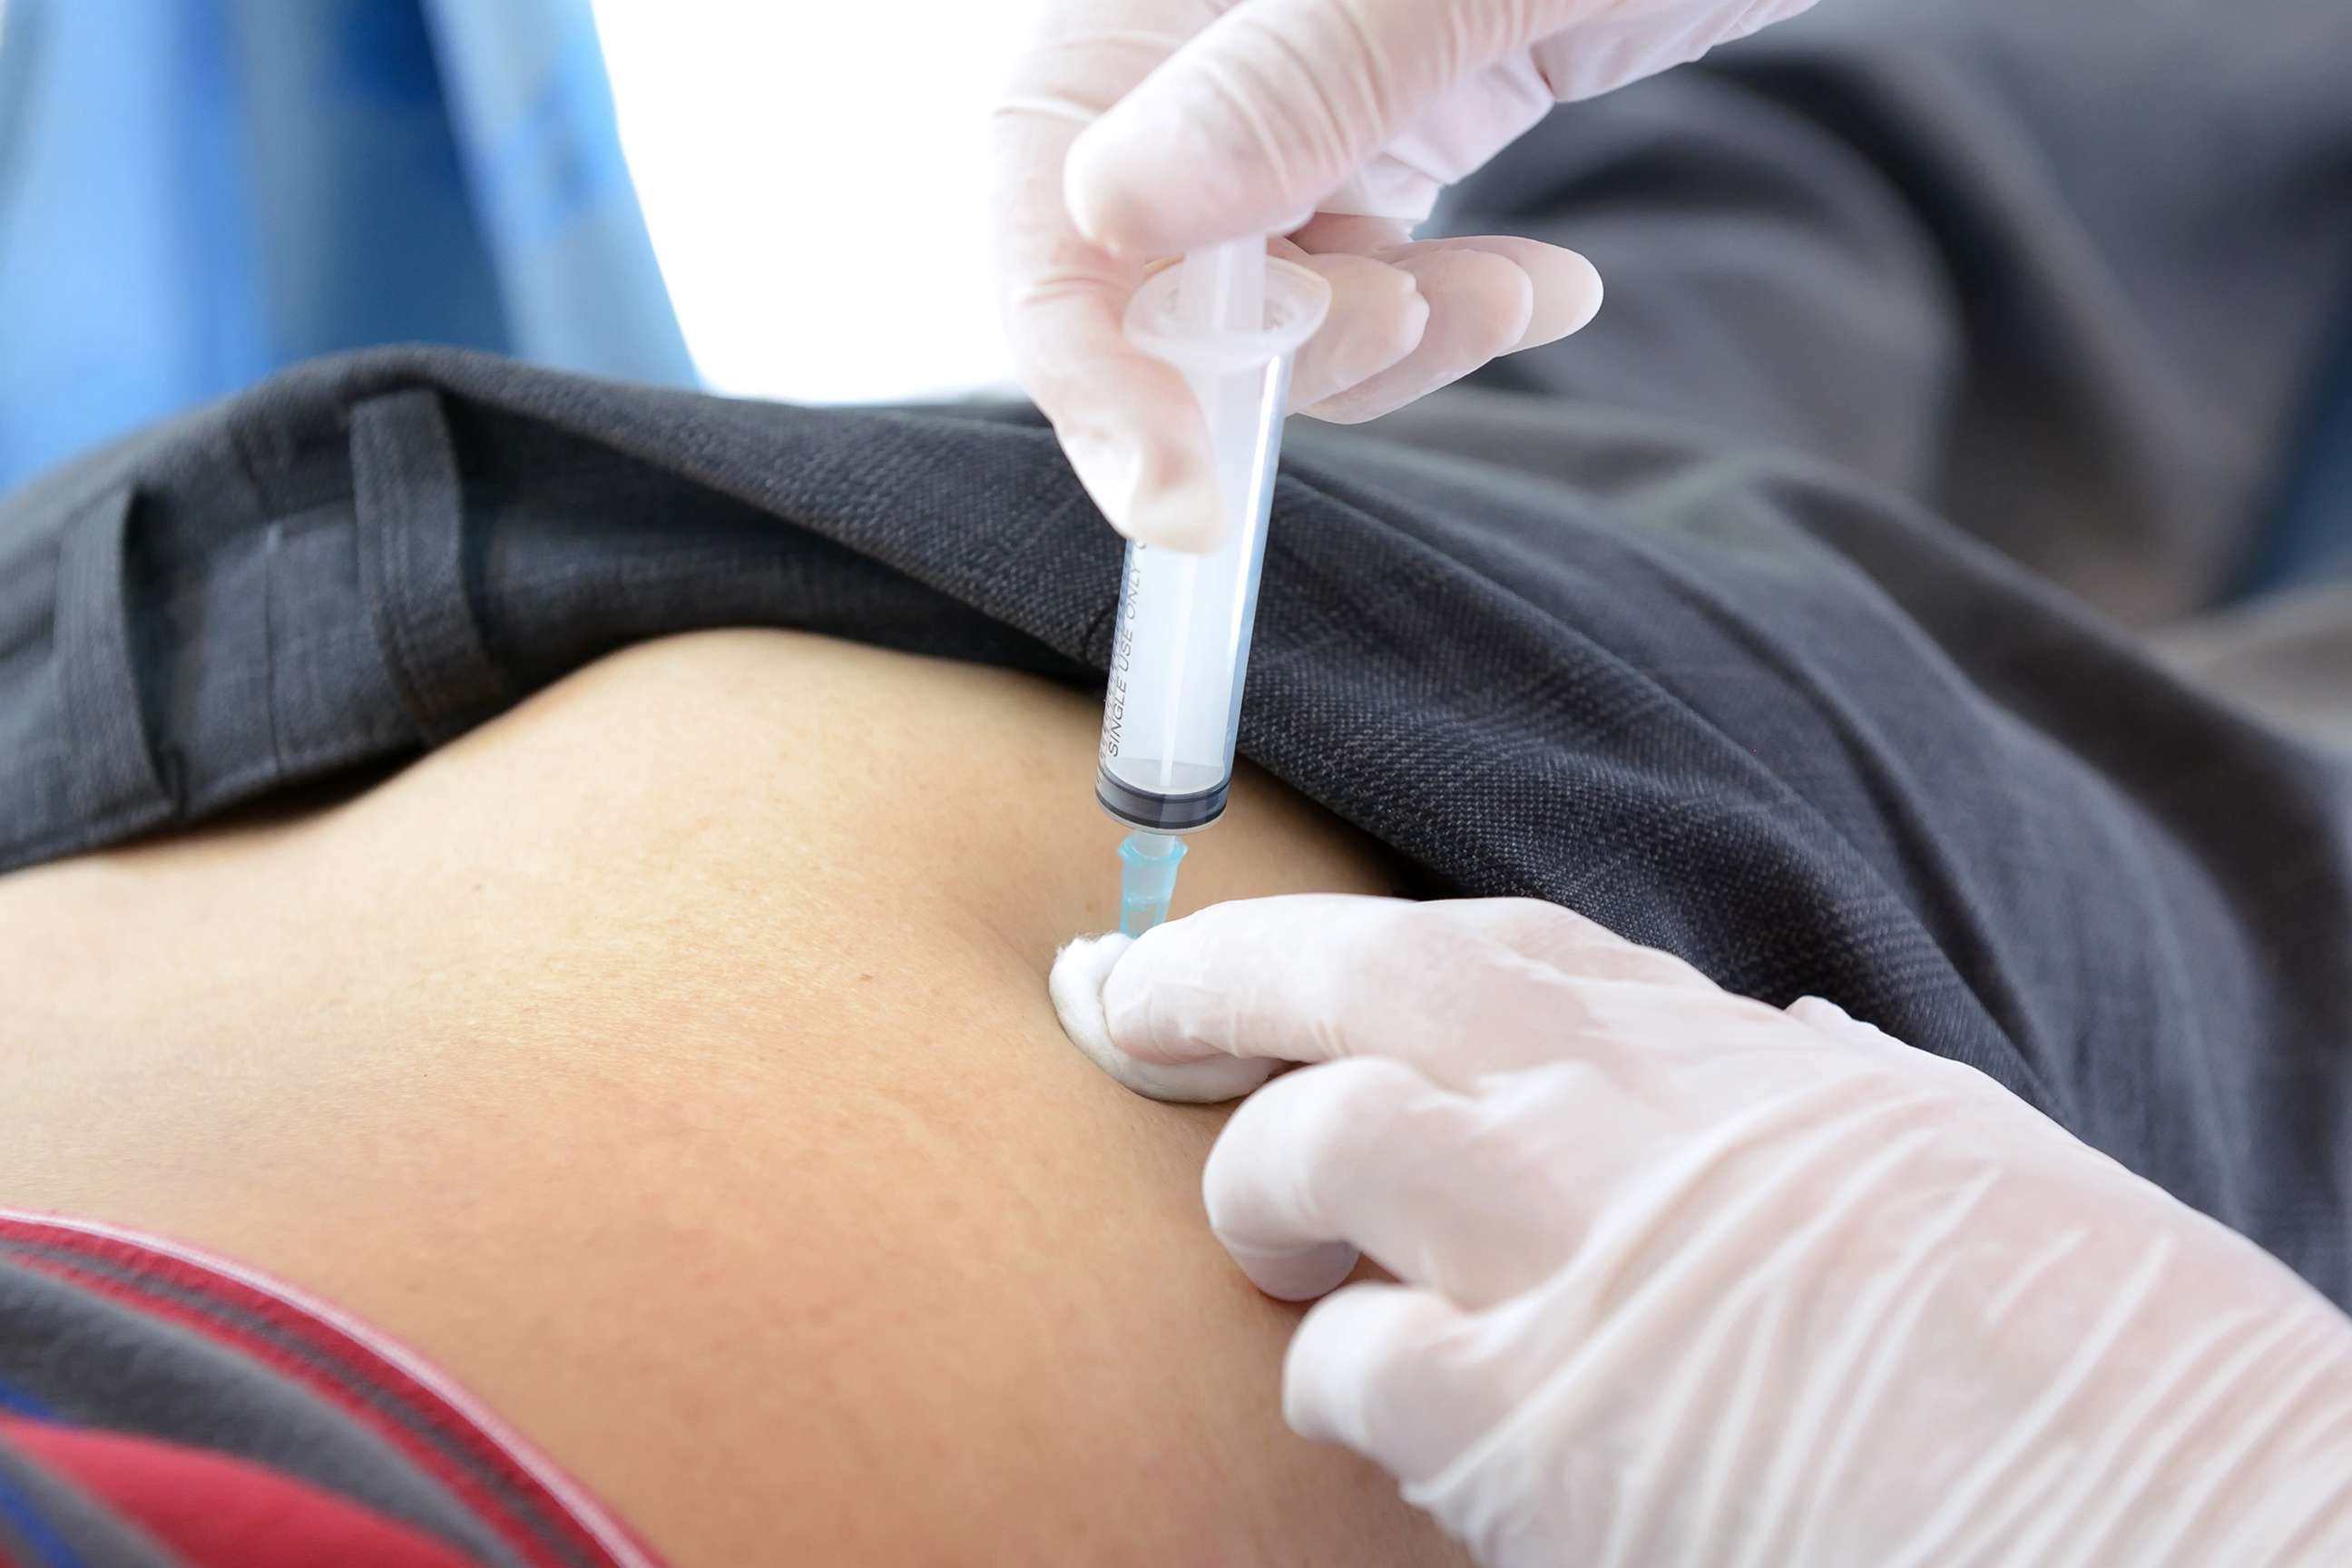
<point>1135,129</point>
<point>1690,1281</point>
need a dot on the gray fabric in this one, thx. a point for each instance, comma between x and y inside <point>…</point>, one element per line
<point>92,1362</point>
<point>2287,657</point>
<point>2065,271</point>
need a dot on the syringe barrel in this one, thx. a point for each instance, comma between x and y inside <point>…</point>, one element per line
<point>1180,650</point>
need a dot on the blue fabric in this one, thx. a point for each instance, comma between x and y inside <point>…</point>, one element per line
<point>24,1518</point>
<point>13,1402</point>
<point>195,192</point>
<point>527,93</point>
<point>2311,538</point>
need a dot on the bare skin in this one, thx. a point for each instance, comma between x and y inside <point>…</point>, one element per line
<point>670,1060</point>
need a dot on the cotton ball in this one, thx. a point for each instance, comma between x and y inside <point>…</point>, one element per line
<point>1076,987</point>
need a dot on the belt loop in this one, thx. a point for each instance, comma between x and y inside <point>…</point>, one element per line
<point>410,511</point>
<point>111,781</point>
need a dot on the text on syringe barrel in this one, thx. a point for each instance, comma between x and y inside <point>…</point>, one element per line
<point>1179,654</point>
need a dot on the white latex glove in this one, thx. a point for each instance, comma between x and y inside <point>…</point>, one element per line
<point>1137,129</point>
<point>1690,1281</point>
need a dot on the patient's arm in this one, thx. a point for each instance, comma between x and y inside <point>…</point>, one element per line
<point>671,1061</point>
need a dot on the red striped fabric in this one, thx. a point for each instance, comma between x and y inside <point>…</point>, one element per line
<point>538,1512</point>
<point>213,1511</point>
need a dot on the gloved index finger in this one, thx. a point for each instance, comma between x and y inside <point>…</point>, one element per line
<point>1314,977</point>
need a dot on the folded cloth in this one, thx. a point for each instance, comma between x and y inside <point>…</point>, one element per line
<point>1730,703</point>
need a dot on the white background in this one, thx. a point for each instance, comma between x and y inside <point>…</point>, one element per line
<point>813,176</point>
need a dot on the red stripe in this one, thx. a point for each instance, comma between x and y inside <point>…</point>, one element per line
<point>323,1340</point>
<point>373,1372</point>
<point>215,1512</point>
<point>330,1343</point>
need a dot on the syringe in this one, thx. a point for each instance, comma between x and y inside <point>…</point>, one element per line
<point>1229,318</point>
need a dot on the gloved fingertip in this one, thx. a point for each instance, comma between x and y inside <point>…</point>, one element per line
<point>1151,488</point>
<point>1076,986</point>
<point>1567,295</point>
<point>1295,1274</point>
<point>1359,1354</point>
<point>1185,514</point>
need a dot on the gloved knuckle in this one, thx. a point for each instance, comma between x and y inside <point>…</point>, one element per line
<point>1456,921</point>
<point>1458,958</point>
<point>1381,1335</point>
<point>1386,317</point>
<point>1380,946</point>
<point>1377,75</point>
<point>1354,1110</point>
<point>1556,922</point>
<point>1299,106</point>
